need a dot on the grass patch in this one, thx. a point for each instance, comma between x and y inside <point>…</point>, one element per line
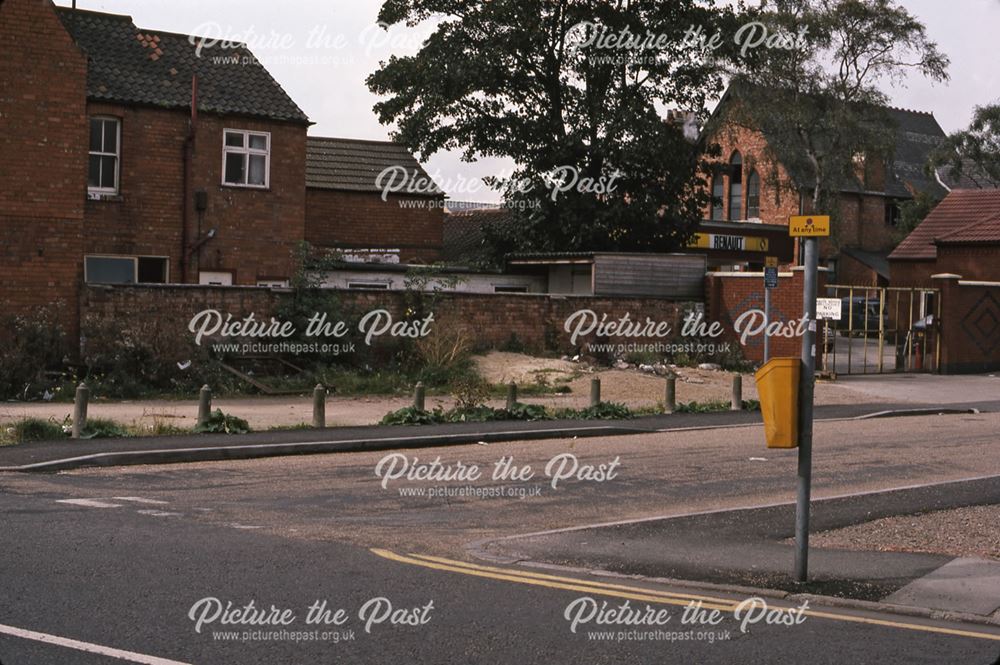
<point>716,406</point>
<point>31,429</point>
<point>103,428</point>
<point>519,411</point>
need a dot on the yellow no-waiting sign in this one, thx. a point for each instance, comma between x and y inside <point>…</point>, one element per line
<point>806,226</point>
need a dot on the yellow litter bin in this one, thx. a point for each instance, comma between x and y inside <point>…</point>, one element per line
<point>778,389</point>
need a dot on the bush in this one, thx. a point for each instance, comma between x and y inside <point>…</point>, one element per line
<point>716,406</point>
<point>102,428</point>
<point>223,423</point>
<point>29,346</point>
<point>35,429</point>
<point>605,411</point>
<point>413,416</point>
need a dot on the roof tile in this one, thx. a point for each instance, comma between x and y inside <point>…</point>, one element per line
<point>953,218</point>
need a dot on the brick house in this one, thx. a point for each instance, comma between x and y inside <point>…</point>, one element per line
<point>961,236</point>
<point>752,186</point>
<point>132,156</point>
<point>346,209</point>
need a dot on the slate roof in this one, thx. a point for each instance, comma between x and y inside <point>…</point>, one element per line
<point>130,65</point>
<point>463,232</point>
<point>917,135</point>
<point>955,217</point>
<point>355,165</point>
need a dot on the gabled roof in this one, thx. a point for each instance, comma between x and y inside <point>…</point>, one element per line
<point>355,165</point>
<point>130,65</point>
<point>955,217</point>
<point>877,262</point>
<point>917,135</point>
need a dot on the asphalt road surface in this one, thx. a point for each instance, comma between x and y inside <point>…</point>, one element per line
<point>140,564</point>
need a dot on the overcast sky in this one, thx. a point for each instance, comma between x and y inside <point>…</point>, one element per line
<point>341,46</point>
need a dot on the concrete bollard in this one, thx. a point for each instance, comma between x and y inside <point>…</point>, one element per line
<point>511,395</point>
<point>80,402</point>
<point>419,393</point>
<point>737,403</point>
<point>319,406</point>
<point>670,395</point>
<point>595,392</point>
<point>204,405</point>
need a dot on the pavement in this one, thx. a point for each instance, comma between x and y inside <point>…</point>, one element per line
<point>753,547</point>
<point>49,456</point>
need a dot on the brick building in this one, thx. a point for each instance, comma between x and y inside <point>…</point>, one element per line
<point>752,186</point>
<point>357,192</point>
<point>961,236</point>
<point>130,156</point>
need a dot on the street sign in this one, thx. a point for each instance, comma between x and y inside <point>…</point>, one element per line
<point>770,277</point>
<point>828,309</point>
<point>809,226</point>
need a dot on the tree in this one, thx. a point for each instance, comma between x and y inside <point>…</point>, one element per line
<point>973,154</point>
<point>575,92</point>
<point>821,107</point>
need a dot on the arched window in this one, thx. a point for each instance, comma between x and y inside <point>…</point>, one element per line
<point>753,195</point>
<point>735,187</point>
<point>718,198</point>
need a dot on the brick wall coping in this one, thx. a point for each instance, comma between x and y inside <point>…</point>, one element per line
<point>968,282</point>
<point>461,294</point>
<point>747,274</point>
<point>946,275</point>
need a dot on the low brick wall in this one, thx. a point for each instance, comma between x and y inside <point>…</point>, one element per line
<point>490,320</point>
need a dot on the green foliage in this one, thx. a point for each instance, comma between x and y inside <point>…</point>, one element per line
<point>529,80</point>
<point>715,406</point>
<point>30,345</point>
<point>519,411</point>
<point>974,153</point>
<point>471,391</point>
<point>911,213</point>
<point>605,411</point>
<point>822,106</point>
<point>33,429</point>
<point>103,428</point>
<point>413,416</point>
<point>223,423</point>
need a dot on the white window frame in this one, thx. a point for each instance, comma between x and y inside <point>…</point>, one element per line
<point>246,151</point>
<point>373,285</point>
<point>117,155</point>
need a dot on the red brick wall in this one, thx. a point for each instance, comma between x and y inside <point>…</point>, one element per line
<point>362,220</point>
<point>488,320</point>
<point>852,272</point>
<point>257,230</point>
<point>43,143</point>
<point>730,295</point>
<point>972,262</point>
<point>777,201</point>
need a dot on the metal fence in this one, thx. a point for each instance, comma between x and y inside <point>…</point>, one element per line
<point>882,330</point>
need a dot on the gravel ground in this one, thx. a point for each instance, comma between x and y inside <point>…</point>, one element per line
<point>969,532</point>
<point>630,387</point>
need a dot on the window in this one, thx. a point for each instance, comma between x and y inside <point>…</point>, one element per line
<point>273,283</point>
<point>215,278</point>
<point>736,187</point>
<point>102,175</point>
<point>753,195</point>
<point>152,270</point>
<point>126,269</point>
<point>246,158</point>
<point>718,192</point>
<point>892,213</point>
<point>510,289</point>
<point>368,285</point>
<point>109,270</point>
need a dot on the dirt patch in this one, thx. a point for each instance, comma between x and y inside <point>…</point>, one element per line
<point>504,367</point>
<point>968,532</point>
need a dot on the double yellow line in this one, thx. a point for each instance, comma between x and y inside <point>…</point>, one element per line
<point>649,595</point>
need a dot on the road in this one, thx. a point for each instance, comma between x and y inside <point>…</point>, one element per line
<point>116,559</point>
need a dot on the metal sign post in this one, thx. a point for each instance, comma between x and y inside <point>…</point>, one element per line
<point>770,282</point>
<point>807,228</point>
<point>806,383</point>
